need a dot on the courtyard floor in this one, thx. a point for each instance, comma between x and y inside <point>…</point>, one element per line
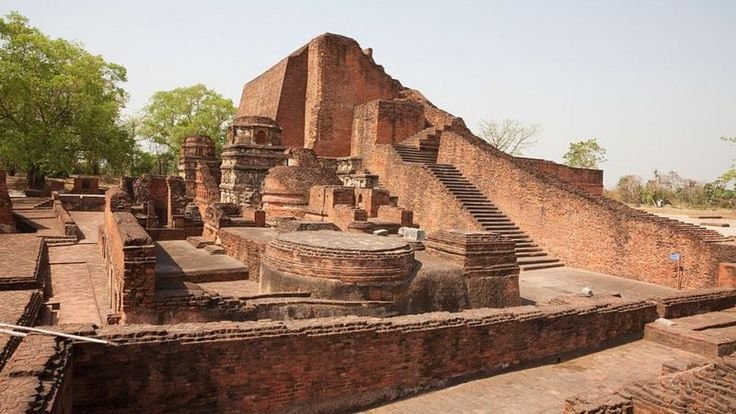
<point>539,286</point>
<point>544,389</point>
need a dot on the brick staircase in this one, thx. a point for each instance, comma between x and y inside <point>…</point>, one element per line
<point>529,255</point>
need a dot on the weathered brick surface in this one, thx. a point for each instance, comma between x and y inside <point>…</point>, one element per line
<point>247,245</point>
<point>129,259</point>
<point>37,378</point>
<point>612,404</point>
<point>311,94</point>
<point>590,180</point>
<point>151,190</point>
<point>404,180</point>
<point>24,262</point>
<point>286,188</point>
<point>584,230</point>
<point>196,149</point>
<point>18,307</point>
<point>65,219</point>
<point>709,389</point>
<point>384,122</point>
<point>333,365</point>
<point>7,223</point>
<point>488,262</point>
<point>279,94</point>
<point>692,303</point>
<point>86,185</point>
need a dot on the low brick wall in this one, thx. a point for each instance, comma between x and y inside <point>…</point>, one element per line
<point>696,302</point>
<point>129,257</point>
<point>331,365</point>
<point>83,202</point>
<point>65,219</point>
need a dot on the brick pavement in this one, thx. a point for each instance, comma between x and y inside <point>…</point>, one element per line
<point>78,283</point>
<point>544,389</point>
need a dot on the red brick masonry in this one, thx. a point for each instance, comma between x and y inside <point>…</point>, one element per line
<point>330,365</point>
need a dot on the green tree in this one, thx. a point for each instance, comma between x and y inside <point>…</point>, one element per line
<point>585,154</point>
<point>509,135</point>
<point>171,116</point>
<point>59,105</point>
<point>629,189</point>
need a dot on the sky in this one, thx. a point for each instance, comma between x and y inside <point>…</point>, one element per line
<point>653,81</point>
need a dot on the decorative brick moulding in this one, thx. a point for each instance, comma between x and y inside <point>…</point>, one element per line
<point>348,257</point>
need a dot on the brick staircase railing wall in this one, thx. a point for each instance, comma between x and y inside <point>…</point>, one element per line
<point>418,190</point>
<point>331,365</point>
<point>583,230</point>
<point>588,179</point>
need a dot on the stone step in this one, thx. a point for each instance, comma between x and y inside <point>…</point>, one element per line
<point>494,220</point>
<point>449,176</point>
<point>457,185</point>
<point>541,266</point>
<point>510,233</point>
<point>499,227</point>
<point>482,209</point>
<point>530,247</point>
<point>471,198</point>
<point>446,173</point>
<point>536,260</point>
<point>531,254</point>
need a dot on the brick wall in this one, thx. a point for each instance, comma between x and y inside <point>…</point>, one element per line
<point>384,122</point>
<point>581,229</point>
<point>341,76</point>
<point>706,389</point>
<point>65,219</point>
<point>330,365</point>
<point>419,191</point>
<point>152,190</point>
<point>247,250</point>
<point>279,93</point>
<point>36,378</point>
<point>588,179</point>
<point>7,223</point>
<point>129,259</point>
<point>696,302</point>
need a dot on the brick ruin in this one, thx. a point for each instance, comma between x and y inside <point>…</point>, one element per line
<point>352,245</point>
<point>7,222</point>
<point>196,149</point>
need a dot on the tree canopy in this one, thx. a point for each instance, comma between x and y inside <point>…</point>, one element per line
<point>59,105</point>
<point>171,116</point>
<point>585,154</point>
<point>509,135</point>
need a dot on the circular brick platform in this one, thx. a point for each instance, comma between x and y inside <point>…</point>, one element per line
<point>347,257</point>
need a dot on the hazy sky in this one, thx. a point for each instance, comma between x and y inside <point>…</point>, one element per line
<point>654,81</point>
